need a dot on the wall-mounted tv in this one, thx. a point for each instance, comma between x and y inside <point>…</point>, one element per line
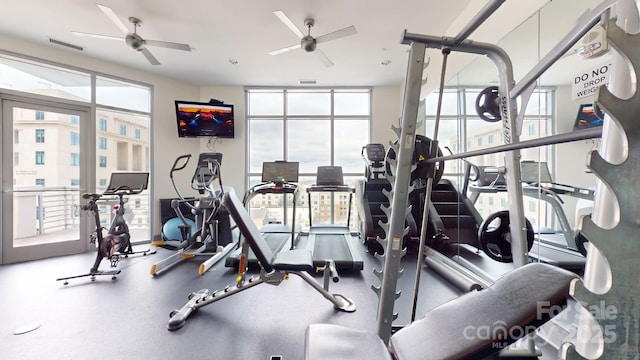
<point>589,115</point>
<point>204,119</point>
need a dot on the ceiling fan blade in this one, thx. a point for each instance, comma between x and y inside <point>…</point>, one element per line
<point>348,31</point>
<point>325,60</point>
<point>284,50</point>
<point>150,57</point>
<point>168,44</point>
<point>114,18</point>
<point>107,37</point>
<point>285,19</point>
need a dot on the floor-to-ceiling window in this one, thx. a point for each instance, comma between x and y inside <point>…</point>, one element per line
<point>53,151</point>
<point>122,143</point>
<point>314,127</point>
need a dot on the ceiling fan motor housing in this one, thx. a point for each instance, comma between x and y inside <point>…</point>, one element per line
<point>135,42</point>
<point>308,43</point>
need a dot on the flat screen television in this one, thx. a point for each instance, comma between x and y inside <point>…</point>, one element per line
<point>589,115</point>
<point>204,119</point>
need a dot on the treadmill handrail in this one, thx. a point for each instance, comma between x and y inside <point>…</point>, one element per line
<point>270,188</point>
<point>331,188</point>
<point>276,188</point>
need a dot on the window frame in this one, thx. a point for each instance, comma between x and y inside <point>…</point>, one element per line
<point>285,118</point>
<point>102,161</point>
<point>40,136</point>
<point>39,157</point>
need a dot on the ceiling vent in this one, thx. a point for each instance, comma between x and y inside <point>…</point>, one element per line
<point>66,44</point>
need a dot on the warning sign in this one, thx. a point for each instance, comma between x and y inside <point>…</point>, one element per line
<point>587,83</point>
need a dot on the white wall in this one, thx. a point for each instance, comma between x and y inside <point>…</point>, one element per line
<point>386,111</point>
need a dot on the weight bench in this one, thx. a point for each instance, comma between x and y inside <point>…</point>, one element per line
<point>274,268</point>
<point>472,326</point>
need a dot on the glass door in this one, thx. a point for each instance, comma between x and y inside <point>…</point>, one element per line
<point>43,178</point>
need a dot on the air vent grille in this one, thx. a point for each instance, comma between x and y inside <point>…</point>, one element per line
<point>66,44</point>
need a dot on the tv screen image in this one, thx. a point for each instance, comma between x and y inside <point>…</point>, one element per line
<point>204,119</point>
<point>588,116</point>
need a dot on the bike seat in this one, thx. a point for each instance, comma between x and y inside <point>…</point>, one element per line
<point>91,196</point>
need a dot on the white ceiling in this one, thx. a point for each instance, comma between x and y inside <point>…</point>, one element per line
<point>246,30</point>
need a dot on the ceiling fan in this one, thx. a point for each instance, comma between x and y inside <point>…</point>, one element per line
<point>133,40</point>
<point>307,42</point>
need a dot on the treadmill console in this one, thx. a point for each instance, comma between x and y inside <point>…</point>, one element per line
<point>280,171</point>
<point>535,172</point>
<point>490,176</point>
<point>207,170</point>
<point>329,176</point>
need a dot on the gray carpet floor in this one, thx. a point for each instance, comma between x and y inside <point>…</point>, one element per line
<point>127,318</point>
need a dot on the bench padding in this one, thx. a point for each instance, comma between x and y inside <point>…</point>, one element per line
<point>286,260</point>
<point>294,260</point>
<point>461,328</point>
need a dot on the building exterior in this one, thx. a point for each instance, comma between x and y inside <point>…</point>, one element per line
<point>46,163</point>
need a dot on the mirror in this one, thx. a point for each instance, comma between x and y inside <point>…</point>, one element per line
<point>558,188</point>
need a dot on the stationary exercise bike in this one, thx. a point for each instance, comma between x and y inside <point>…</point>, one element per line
<point>116,244</point>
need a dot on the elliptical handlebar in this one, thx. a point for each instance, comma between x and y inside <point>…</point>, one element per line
<point>175,168</point>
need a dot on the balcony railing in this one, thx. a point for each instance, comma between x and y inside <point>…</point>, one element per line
<point>40,211</point>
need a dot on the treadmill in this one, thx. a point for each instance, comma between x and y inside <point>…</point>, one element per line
<point>557,248</point>
<point>278,177</point>
<point>332,241</point>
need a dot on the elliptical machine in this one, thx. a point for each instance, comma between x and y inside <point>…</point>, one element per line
<point>116,244</point>
<point>211,236</point>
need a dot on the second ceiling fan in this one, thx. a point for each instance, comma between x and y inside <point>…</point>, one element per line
<point>307,42</point>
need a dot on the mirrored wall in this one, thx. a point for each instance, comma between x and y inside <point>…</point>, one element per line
<point>557,185</point>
